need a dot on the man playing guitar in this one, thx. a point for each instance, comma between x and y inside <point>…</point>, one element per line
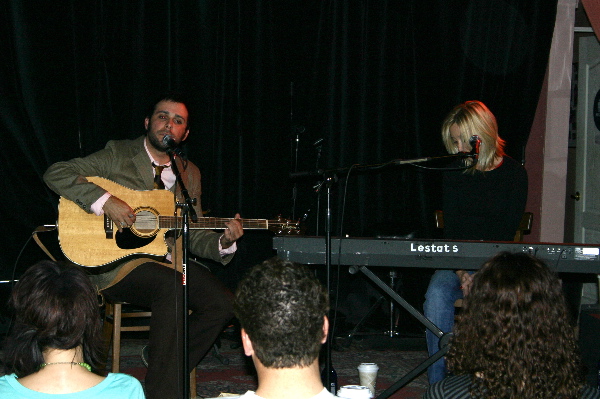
<point>145,281</point>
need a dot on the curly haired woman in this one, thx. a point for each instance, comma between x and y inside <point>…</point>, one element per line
<point>513,338</point>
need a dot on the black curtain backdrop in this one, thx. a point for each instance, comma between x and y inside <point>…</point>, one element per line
<point>373,79</point>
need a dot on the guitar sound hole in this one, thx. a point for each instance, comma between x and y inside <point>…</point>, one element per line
<point>143,231</point>
<point>146,223</point>
<point>128,240</point>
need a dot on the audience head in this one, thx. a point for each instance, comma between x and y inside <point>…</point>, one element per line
<point>473,118</point>
<point>513,335</point>
<point>56,307</point>
<point>282,308</point>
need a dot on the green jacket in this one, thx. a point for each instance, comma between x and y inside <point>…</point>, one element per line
<point>126,162</point>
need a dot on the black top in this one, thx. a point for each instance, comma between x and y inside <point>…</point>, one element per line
<point>457,387</point>
<point>486,205</point>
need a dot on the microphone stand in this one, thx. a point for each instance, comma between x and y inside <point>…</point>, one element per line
<point>329,178</point>
<point>321,172</point>
<point>318,186</point>
<point>188,211</point>
<point>317,189</point>
<point>295,188</point>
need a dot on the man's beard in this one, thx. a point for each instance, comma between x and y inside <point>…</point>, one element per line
<point>158,145</point>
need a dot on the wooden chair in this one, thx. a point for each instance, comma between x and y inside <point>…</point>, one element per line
<point>523,229</point>
<point>524,226</point>
<point>113,326</point>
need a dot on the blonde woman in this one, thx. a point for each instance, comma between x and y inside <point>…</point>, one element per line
<point>483,201</point>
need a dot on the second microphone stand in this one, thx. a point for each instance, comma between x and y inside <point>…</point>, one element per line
<point>329,178</point>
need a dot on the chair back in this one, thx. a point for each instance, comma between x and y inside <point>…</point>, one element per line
<point>523,229</point>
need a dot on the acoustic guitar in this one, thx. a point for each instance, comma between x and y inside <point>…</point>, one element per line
<point>92,241</point>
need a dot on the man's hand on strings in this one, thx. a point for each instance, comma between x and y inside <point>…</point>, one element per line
<point>233,231</point>
<point>119,212</point>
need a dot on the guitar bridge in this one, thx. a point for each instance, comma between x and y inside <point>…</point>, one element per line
<point>108,228</point>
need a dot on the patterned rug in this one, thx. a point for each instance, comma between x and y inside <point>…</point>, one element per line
<point>232,372</point>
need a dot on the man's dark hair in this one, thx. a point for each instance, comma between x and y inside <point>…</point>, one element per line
<point>56,306</point>
<point>281,306</point>
<point>173,96</point>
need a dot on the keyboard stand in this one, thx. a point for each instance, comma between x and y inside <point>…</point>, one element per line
<point>444,337</point>
<point>348,338</point>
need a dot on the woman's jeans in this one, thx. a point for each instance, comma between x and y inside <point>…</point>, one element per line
<point>443,291</point>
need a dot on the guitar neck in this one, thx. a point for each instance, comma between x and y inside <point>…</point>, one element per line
<point>210,223</point>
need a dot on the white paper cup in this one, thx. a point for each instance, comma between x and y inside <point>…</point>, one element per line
<point>354,392</point>
<point>367,374</point>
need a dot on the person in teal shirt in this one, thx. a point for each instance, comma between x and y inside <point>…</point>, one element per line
<point>55,349</point>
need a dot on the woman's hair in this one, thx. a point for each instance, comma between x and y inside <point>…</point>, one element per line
<point>513,335</point>
<point>56,306</point>
<point>473,118</point>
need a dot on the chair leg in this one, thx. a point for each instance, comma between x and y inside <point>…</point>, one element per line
<point>193,392</point>
<point>107,329</point>
<point>116,348</point>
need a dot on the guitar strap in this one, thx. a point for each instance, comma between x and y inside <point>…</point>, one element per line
<point>43,229</point>
<point>46,228</point>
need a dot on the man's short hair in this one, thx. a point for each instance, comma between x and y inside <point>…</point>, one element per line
<point>171,96</point>
<point>281,305</point>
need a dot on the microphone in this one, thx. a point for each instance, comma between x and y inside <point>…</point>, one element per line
<point>475,143</point>
<point>301,175</point>
<point>169,142</point>
<point>298,129</point>
<point>318,142</point>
